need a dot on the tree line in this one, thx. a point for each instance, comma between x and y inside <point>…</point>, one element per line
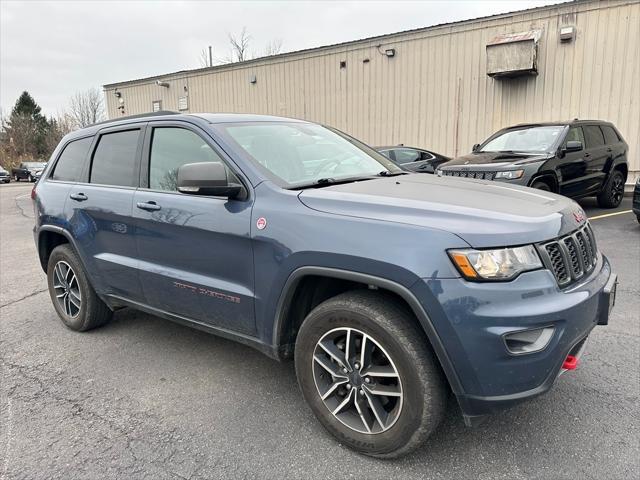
<point>26,134</point>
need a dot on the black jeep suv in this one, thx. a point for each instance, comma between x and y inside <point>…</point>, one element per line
<point>579,158</point>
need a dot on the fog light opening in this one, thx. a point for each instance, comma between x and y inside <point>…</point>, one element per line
<point>528,341</point>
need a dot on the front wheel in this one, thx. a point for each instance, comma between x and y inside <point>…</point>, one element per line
<point>368,374</point>
<point>613,191</point>
<point>541,186</point>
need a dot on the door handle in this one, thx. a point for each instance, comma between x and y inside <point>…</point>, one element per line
<point>587,155</point>
<point>79,197</point>
<point>148,206</point>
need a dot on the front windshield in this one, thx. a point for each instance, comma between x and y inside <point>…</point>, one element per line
<point>302,154</point>
<point>35,164</point>
<point>526,140</point>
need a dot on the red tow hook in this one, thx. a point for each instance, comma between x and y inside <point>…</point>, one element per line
<point>571,362</point>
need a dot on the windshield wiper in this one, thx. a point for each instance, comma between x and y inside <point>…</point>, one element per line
<point>387,173</point>
<point>324,182</point>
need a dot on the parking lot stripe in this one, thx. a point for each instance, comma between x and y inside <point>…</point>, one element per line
<point>609,215</point>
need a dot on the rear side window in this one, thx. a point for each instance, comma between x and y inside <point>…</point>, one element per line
<point>114,160</point>
<point>593,136</point>
<point>71,162</point>
<point>610,135</point>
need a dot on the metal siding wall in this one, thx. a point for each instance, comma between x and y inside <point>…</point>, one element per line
<point>435,92</point>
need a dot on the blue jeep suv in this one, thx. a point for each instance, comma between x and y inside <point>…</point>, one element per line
<point>389,289</point>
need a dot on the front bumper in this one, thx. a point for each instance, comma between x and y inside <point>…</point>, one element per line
<point>471,320</point>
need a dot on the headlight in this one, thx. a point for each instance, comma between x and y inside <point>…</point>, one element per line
<point>498,264</point>
<point>510,174</point>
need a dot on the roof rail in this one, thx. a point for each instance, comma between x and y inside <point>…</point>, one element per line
<point>140,115</point>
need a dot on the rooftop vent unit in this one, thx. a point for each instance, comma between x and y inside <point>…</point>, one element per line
<point>513,54</point>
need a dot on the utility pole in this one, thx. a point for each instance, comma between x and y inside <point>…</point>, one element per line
<point>210,57</point>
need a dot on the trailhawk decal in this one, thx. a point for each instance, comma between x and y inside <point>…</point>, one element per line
<point>207,292</point>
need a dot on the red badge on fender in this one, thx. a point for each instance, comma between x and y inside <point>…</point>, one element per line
<point>261,223</point>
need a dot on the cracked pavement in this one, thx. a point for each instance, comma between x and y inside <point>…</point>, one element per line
<point>146,398</point>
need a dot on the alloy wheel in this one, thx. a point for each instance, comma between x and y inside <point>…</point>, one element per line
<point>617,189</point>
<point>67,289</point>
<point>357,380</point>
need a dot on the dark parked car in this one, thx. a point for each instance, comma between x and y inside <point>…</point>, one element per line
<point>413,159</point>
<point>577,159</point>
<point>389,289</point>
<point>30,171</point>
<point>4,176</point>
<point>636,199</point>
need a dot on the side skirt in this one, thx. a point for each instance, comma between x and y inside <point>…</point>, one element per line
<point>114,300</point>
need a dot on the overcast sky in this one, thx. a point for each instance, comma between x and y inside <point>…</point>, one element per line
<point>56,48</point>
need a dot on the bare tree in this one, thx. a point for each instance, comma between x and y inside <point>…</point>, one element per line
<point>59,126</point>
<point>240,46</point>
<point>274,47</point>
<point>87,107</point>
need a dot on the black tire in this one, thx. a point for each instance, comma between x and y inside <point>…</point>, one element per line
<point>540,185</point>
<point>16,178</point>
<point>613,191</point>
<point>93,312</point>
<point>393,327</point>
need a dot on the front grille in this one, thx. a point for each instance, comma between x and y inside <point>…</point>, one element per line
<point>469,174</point>
<point>570,257</point>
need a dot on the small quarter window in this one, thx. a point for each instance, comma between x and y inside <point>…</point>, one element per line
<point>610,135</point>
<point>71,162</point>
<point>114,160</point>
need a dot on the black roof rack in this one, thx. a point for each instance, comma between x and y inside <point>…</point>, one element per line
<point>140,115</point>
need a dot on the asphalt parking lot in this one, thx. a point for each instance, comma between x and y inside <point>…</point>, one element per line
<point>146,398</point>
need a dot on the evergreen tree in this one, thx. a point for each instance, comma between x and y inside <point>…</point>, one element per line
<point>27,128</point>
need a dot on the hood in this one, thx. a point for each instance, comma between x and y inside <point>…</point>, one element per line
<point>496,158</point>
<point>483,213</point>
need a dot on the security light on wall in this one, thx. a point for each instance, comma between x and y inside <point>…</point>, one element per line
<point>162,84</point>
<point>390,52</point>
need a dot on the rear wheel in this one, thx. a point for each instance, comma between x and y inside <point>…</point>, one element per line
<point>613,191</point>
<point>73,297</point>
<point>367,373</point>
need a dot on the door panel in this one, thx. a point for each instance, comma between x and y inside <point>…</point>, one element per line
<point>100,219</point>
<point>100,215</point>
<point>572,168</point>
<point>599,153</point>
<point>196,254</point>
<point>196,257</point>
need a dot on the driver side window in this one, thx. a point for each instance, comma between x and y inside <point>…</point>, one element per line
<point>575,135</point>
<point>172,147</point>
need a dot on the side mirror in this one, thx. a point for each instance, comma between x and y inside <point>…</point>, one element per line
<point>208,178</point>
<point>573,146</point>
<point>476,147</point>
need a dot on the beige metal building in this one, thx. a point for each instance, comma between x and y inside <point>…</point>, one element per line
<point>444,87</point>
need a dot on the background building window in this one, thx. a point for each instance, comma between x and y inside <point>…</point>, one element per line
<point>157,105</point>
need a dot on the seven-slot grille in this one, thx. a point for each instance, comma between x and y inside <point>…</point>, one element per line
<point>469,174</point>
<point>571,257</point>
